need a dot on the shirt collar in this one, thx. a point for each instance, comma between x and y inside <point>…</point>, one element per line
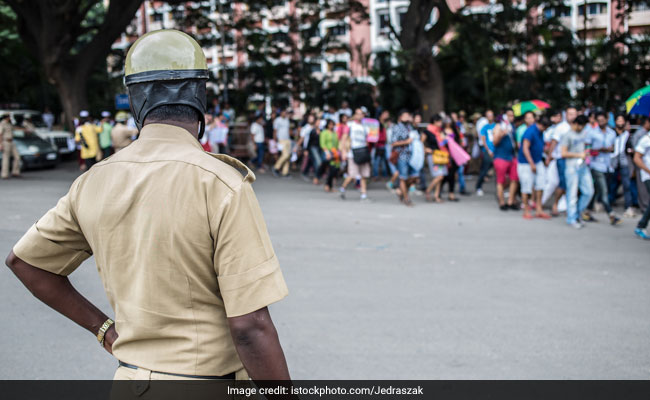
<point>171,133</point>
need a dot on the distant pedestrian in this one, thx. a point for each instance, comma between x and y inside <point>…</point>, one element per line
<point>281,127</point>
<point>358,155</point>
<point>86,135</point>
<point>530,167</point>
<point>621,175</point>
<point>487,149</point>
<point>329,144</point>
<point>601,140</point>
<point>122,135</point>
<point>505,163</point>
<point>573,150</point>
<point>257,133</point>
<point>8,148</point>
<point>642,161</point>
<point>48,118</point>
<point>105,138</point>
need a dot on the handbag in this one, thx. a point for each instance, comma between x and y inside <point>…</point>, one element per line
<point>361,155</point>
<point>394,156</point>
<point>440,157</point>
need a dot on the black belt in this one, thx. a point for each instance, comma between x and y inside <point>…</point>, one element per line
<point>229,376</point>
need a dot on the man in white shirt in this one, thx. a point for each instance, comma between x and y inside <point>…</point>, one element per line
<point>642,161</point>
<point>556,165</point>
<point>355,150</point>
<point>257,133</point>
<point>281,135</point>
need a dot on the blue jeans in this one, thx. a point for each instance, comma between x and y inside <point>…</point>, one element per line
<point>379,162</point>
<point>259,160</point>
<point>577,178</point>
<point>461,178</point>
<point>643,223</point>
<point>600,185</point>
<point>624,173</point>
<point>405,170</point>
<point>486,164</point>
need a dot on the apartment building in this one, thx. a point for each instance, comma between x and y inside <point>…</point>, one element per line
<point>352,44</point>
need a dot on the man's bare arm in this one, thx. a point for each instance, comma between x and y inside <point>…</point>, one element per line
<point>57,292</point>
<point>258,346</point>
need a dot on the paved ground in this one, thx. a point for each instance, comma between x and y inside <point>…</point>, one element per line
<point>449,291</point>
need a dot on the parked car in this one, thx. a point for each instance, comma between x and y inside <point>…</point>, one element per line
<point>62,140</point>
<point>34,151</point>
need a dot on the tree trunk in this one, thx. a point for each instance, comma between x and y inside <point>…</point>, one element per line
<point>72,93</point>
<point>426,77</point>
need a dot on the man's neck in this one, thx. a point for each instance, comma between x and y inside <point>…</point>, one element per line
<point>191,127</point>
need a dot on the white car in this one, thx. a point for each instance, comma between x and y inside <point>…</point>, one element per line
<point>63,141</point>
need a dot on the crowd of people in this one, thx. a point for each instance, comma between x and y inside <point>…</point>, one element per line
<point>98,139</point>
<point>574,161</point>
<point>578,161</point>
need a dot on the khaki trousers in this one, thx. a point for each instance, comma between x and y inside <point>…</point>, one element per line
<point>285,158</point>
<point>145,384</point>
<point>9,150</point>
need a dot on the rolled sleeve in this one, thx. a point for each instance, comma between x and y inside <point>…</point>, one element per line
<point>55,242</point>
<point>247,268</point>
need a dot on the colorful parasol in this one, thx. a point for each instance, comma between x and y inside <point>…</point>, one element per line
<point>531,105</point>
<point>639,102</point>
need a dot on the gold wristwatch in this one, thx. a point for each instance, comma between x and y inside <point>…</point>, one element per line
<point>102,331</point>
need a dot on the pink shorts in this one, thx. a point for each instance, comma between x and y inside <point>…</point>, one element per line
<point>505,168</point>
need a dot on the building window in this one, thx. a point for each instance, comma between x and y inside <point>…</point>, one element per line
<point>597,9</point>
<point>338,30</point>
<point>314,68</point>
<point>384,22</point>
<point>402,17</point>
<point>338,66</point>
<point>178,15</point>
<point>641,6</point>
<point>158,17</point>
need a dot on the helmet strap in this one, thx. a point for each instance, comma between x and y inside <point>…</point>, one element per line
<point>201,128</point>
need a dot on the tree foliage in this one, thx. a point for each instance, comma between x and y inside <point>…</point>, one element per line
<point>69,39</point>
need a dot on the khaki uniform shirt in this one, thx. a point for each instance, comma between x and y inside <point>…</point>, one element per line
<point>121,136</point>
<point>180,244</point>
<point>29,127</point>
<point>6,131</point>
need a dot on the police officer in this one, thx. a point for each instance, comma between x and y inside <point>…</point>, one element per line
<point>121,135</point>
<point>8,148</point>
<point>178,238</point>
<point>28,125</point>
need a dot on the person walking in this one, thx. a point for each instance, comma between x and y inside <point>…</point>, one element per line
<point>122,135</point>
<point>401,144</point>
<point>257,135</point>
<point>451,134</point>
<point>435,142</point>
<point>555,164</point>
<point>105,137</point>
<point>86,135</point>
<point>578,179</point>
<point>530,167</point>
<point>487,149</point>
<point>379,160</point>
<point>621,175</point>
<point>642,161</point>
<point>8,148</point>
<point>505,163</point>
<point>355,146</point>
<point>281,136</point>
<point>329,144</point>
<point>643,195</point>
<point>177,234</point>
<point>601,141</point>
